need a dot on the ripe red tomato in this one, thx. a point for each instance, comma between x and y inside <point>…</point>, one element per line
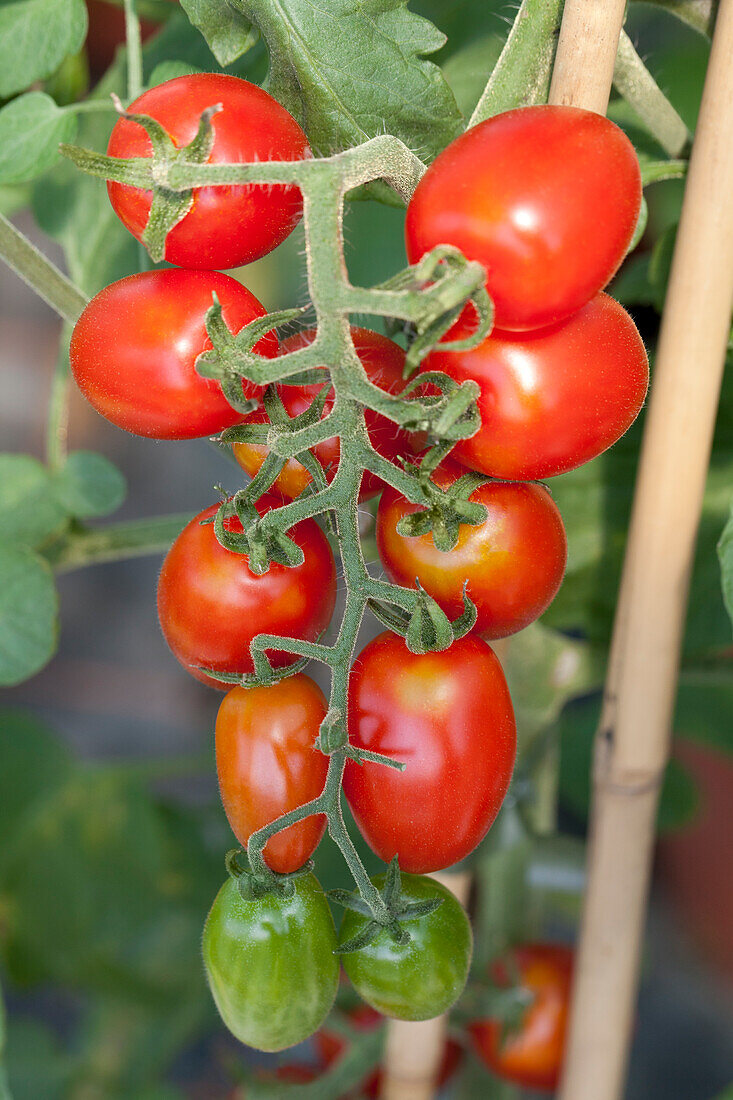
<point>134,348</point>
<point>383,362</point>
<point>551,400</point>
<point>546,198</point>
<point>267,764</point>
<point>514,561</point>
<point>330,1046</point>
<point>447,716</point>
<point>226,226</point>
<point>532,1054</point>
<point>211,605</point>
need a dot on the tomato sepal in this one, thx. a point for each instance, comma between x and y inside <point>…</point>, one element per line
<point>398,909</point>
<point>232,355</point>
<point>252,884</point>
<point>426,628</point>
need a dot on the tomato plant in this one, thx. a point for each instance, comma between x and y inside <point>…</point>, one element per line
<point>270,963</point>
<point>513,562</point>
<point>493,360</point>
<point>211,605</point>
<point>555,399</point>
<point>268,764</point>
<point>530,1053</point>
<point>423,709</point>
<point>384,362</point>
<point>423,977</point>
<point>223,228</point>
<point>134,349</point>
<point>523,193</point>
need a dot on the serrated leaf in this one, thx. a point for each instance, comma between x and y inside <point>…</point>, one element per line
<point>228,32</point>
<point>349,71</point>
<point>725,556</point>
<point>90,485</point>
<point>35,37</point>
<point>28,614</point>
<point>29,510</point>
<point>31,128</point>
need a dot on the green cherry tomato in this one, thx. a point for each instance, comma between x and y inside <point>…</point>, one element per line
<point>419,979</point>
<point>270,963</point>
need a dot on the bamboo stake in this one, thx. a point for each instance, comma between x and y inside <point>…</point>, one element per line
<point>413,1051</point>
<point>633,738</point>
<point>586,53</point>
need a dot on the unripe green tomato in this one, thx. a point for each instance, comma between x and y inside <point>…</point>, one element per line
<point>270,963</point>
<point>419,979</point>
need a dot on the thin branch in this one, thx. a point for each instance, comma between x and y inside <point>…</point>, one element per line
<point>641,91</point>
<point>39,273</point>
<point>116,542</point>
<point>134,51</point>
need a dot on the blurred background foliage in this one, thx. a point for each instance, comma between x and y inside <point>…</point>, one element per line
<point>108,865</point>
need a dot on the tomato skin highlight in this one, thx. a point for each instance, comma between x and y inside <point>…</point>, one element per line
<point>226,226</point>
<point>134,348</point>
<point>211,605</point>
<point>551,400</point>
<point>546,198</point>
<point>424,977</point>
<point>514,561</point>
<point>270,963</point>
<point>383,361</point>
<point>448,717</point>
<point>267,764</point>
<point>532,1055</point>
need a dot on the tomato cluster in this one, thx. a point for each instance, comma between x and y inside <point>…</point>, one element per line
<point>547,200</point>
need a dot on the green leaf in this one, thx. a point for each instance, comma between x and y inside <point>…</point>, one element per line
<point>34,764</point>
<point>228,33</point>
<point>544,669</point>
<point>29,509</point>
<point>37,1064</point>
<point>169,70</point>
<point>704,707</point>
<point>28,614</point>
<point>576,728</point>
<point>349,71</point>
<point>31,128</point>
<point>35,37</point>
<point>90,485</point>
<point>725,556</point>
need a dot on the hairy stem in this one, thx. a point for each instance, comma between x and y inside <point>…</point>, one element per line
<point>640,90</point>
<point>134,51</point>
<point>116,542</point>
<point>39,273</point>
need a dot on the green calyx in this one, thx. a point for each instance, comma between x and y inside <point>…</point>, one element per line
<point>396,911</point>
<point>253,884</point>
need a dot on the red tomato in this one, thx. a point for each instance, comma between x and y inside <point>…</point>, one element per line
<point>532,1054</point>
<point>134,348</point>
<point>211,605</point>
<point>514,561</point>
<point>551,400</point>
<point>226,226</point>
<point>330,1045</point>
<point>546,198</point>
<point>267,764</point>
<point>449,718</point>
<point>383,362</point>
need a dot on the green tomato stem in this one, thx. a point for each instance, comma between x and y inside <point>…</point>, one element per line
<point>641,91</point>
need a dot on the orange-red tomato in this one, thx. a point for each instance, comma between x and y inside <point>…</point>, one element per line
<point>554,399</point>
<point>531,1055</point>
<point>514,561</point>
<point>448,717</point>
<point>134,349</point>
<point>267,764</point>
<point>226,226</point>
<point>211,605</point>
<point>546,198</point>
<point>383,361</point>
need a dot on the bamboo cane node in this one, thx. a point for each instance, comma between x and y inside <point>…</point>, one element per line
<point>627,784</point>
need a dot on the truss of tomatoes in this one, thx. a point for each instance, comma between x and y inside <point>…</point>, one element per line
<point>547,199</point>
